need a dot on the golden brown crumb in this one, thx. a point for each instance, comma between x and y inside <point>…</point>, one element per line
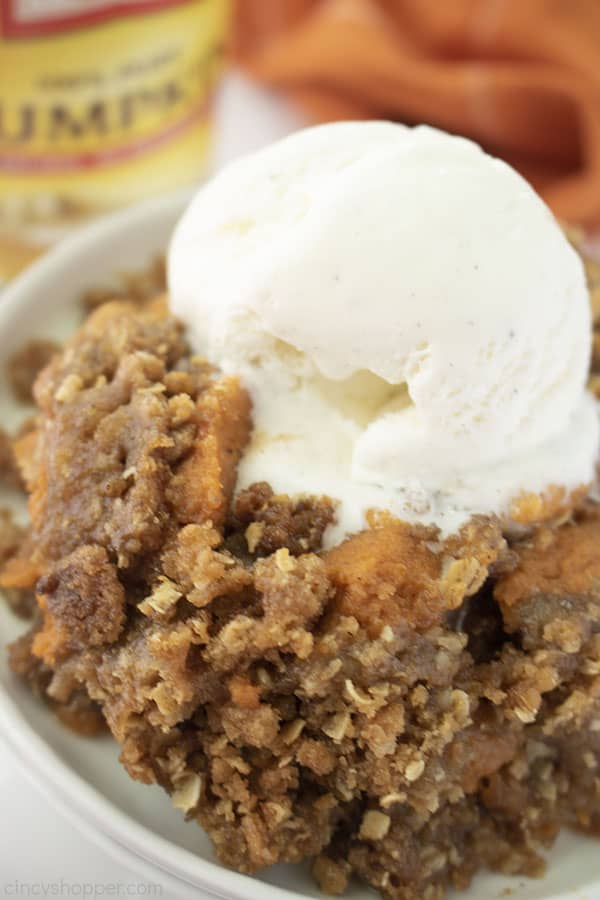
<point>565,560</point>
<point>396,572</point>
<point>331,876</point>
<point>202,488</point>
<point>135,450</point>
<point>244,693</point>
<point>82,602</point>
<point>554,504</point>
<point>12,537</point>
<point>271,521</point>
<point>386,575</point>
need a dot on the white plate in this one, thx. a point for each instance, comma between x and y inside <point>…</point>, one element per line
<point>83,776</point>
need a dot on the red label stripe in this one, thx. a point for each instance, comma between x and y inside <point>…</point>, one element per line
<point>15,26</point>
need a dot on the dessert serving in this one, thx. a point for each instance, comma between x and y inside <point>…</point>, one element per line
<point>315,533</point>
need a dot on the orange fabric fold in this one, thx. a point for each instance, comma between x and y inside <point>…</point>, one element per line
<point>521,77</point>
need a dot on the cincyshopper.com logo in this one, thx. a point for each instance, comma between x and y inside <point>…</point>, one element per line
<point>85,889</point>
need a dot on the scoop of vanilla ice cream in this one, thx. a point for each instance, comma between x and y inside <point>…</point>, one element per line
<point>411,323</point>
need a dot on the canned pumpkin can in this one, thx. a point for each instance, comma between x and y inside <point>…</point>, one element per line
<point>101,104</point>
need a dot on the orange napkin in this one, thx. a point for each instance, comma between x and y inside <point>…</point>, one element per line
<point>521,77</point>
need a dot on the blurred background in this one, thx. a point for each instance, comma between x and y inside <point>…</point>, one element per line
<point>103,104</point>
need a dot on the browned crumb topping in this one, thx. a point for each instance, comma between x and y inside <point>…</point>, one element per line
<point>83,602</point>
<point>25,365</point>
<point>554,505</point>
<point>11,541</point>
<point>387,574</point>
<point>72,705</point>
<point>268,522</point>
<point>562,563</point>
<point>403,708</point>
<point>202,487</point>
<point>128,420</point>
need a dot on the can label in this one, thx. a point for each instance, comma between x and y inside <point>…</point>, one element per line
<point>23,18</point>
<point>102,103</point>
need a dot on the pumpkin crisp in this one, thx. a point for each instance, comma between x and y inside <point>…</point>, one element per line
<point>402,708</point>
